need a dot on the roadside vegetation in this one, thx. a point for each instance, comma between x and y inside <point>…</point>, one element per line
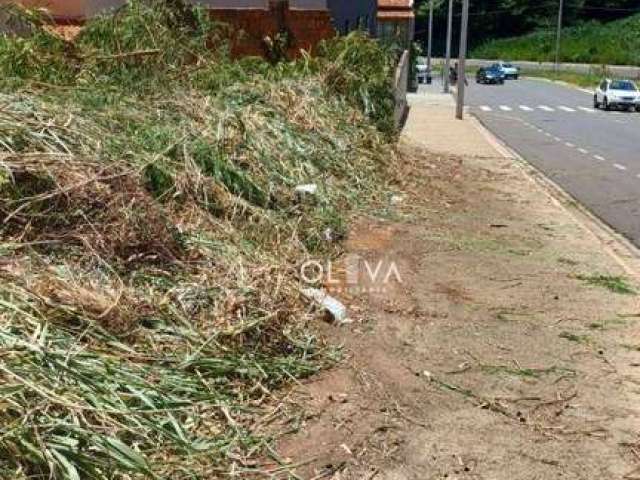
<point>582,80</point>
<point>150,236</point>
<point>611,43</point>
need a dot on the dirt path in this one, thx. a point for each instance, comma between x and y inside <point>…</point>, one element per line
<point>505,352</point>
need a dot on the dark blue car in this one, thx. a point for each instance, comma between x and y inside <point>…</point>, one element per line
<point>490,75</point>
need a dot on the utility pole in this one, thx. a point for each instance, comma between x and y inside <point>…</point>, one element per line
<point>559,35</point>
<point>447,61</point>
<point>462,60</point>
<point>430,38</point>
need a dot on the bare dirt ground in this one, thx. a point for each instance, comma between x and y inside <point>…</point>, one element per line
<point>499,354</point>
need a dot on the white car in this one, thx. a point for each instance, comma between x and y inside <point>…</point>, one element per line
<point>617,94</point>
<point>509,69</point>
<point>422,70</point>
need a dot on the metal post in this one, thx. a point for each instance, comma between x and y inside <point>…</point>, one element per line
<point>559,35</point>
<point>430,38</point>
<point>462,60</point>
<point>447,61</point>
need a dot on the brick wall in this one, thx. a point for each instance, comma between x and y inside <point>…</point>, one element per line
<point>308,28</point>
<point>250,27</point>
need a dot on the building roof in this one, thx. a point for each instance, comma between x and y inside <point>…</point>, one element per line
<point>393,10</point>
<point>395,4</point>
<point>395,15</point>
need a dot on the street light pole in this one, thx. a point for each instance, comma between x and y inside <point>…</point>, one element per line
<point>447,62</point>
<point>430,38</point>
<point>462,60</point>
<point>559,35</point>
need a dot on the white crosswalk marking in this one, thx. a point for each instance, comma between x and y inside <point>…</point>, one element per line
<point>545,108</point>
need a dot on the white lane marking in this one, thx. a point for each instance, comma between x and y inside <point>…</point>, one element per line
<point>583,150</point>
<point>566,109</point>
<point>485,108</point>
<point>504,108</point>
<point>525,108</point>
<point>619,167</point>
<point>569,144</point>
<point>588,110</point>
<point>557,139</point>
<point>547,134</point>
<point>600,158</point>
<point>545,108</point>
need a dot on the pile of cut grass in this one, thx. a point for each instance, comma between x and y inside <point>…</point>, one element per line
<point>150,234</point>
<point>612,43</point>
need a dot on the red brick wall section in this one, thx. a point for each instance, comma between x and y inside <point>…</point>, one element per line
<point>308,28</point>
<point>250,27</point>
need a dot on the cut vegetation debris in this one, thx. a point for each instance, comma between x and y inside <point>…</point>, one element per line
<point>150,235</point>
<point>612,283</point>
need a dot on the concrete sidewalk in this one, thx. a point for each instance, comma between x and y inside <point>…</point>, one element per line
<point>431,123</point>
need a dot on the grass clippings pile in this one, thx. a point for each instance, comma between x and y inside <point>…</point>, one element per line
<point>150,236</point>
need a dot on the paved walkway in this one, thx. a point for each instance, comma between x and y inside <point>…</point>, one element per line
<point>432,124</point>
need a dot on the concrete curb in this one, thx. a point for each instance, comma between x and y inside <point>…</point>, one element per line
<point>625,254</point>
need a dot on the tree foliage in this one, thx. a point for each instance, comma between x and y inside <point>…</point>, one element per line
<point>490,19</point>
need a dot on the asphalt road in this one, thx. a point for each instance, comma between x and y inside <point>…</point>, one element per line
<point>593,155</point>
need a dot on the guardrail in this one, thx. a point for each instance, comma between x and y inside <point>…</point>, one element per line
<point>400,88</point>
<point>626,71</point>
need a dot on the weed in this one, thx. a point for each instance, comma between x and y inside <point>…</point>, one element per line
<point>572,337</point>
<point>614,284</point>
<point>568,261</point>
<point>525,372</point>
<point>607,324</point>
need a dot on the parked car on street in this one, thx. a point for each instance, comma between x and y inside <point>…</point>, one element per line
<point>617,94</point>
<point>510,70</point>
<point>490,75</point>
